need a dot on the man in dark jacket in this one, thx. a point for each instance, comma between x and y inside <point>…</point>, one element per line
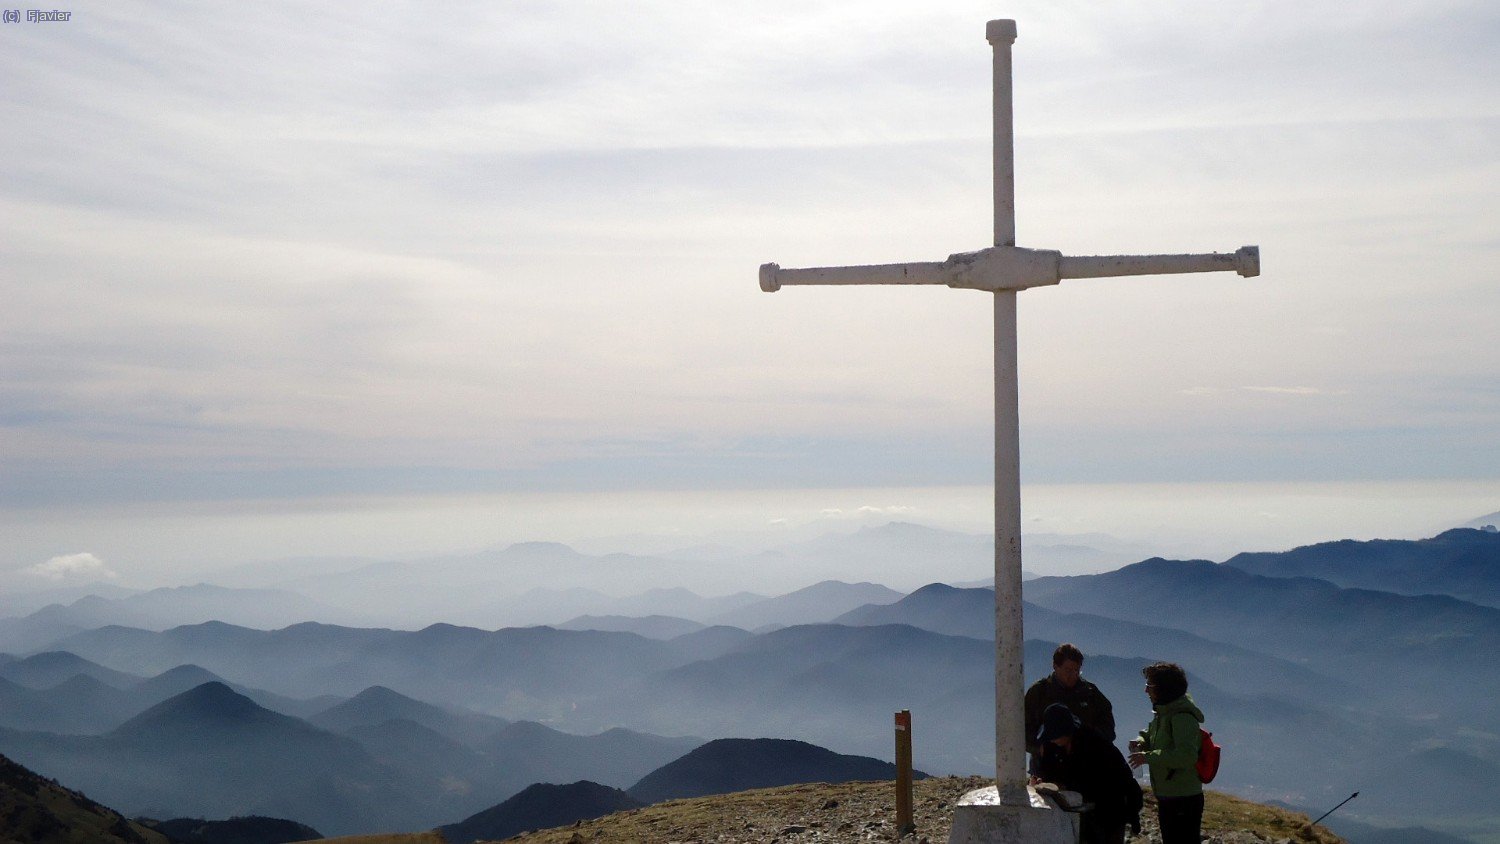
<point>1066,685</point>
<point>1077,758</point>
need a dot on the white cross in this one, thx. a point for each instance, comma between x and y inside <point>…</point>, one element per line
<point>1004,269</point>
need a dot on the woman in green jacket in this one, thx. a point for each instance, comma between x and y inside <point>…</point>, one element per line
<point>1169,746</point>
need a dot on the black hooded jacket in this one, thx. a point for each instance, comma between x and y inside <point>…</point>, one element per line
<point>1097,770</point>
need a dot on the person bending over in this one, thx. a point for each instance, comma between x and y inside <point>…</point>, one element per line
<point>1076,757</point>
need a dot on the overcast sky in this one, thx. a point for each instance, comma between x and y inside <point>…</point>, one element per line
<point>274,251</point>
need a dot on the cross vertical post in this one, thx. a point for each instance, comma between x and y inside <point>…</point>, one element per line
<point>1004,813</point>
<point>1010,761</point>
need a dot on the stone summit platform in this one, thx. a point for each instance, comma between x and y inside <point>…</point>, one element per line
<point>979,818</point>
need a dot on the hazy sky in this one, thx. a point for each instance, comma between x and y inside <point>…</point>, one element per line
<point>279,252</point>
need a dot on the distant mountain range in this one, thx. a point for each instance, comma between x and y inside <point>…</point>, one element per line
<point>548,583</point>
<point>938,607</point>
<point>540,806</point>
<point>1489,523</point>
<point>161,609</point>
<point>651,626</point>
<point>537,671</point>
<point>1463,563</point>
<point>16,604</point>
<point>378,705</point>
<point>1314,686</point>
<point>38,811</point>
<point>971,612</point>
<point>716,767</point>
<point>380,760</point>
<point>820,602</point>
<point>1359,636</point>
<point>727,765</point>
<point>539,583</point>
<point>246,830</point>
<point>210,752</point>
<point>812,604</point>
<point>615,757</point>
<point>85,704</point>
<point>47,669</point>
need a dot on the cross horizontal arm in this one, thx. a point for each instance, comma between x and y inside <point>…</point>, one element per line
<point>772,276</point>
<point>1245,261</point>
<point>1013,268</point>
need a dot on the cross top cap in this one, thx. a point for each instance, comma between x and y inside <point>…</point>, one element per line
<point>1000,30</point>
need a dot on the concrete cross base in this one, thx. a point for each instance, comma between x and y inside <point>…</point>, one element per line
<point>980,819</point>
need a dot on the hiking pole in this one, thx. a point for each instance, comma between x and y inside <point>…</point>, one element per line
<point>1335,808</point>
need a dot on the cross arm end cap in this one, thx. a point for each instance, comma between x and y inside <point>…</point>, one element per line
<point>768,280</point>
<point>1247,261</point>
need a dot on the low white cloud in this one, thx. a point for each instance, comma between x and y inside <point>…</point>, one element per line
<point>866,510</point>
<point>1289,391</point>
<point>83,567</point>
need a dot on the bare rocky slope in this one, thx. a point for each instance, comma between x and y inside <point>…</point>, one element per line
<point>36,810</point>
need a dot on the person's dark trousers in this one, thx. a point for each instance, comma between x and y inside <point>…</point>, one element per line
<point>1181,819</point>
<point>1094,832</point>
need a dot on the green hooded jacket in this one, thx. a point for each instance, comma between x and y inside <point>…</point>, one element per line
<point>1171,748</point>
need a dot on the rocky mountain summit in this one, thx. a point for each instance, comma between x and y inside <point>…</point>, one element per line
<point>859,812</point>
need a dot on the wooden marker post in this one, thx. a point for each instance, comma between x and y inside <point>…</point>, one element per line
<point>904,823</point>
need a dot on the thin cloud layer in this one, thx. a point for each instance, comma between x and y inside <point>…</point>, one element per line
<point>262,250</point>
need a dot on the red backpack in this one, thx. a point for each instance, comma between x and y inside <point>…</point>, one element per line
<point>1208,756</point>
